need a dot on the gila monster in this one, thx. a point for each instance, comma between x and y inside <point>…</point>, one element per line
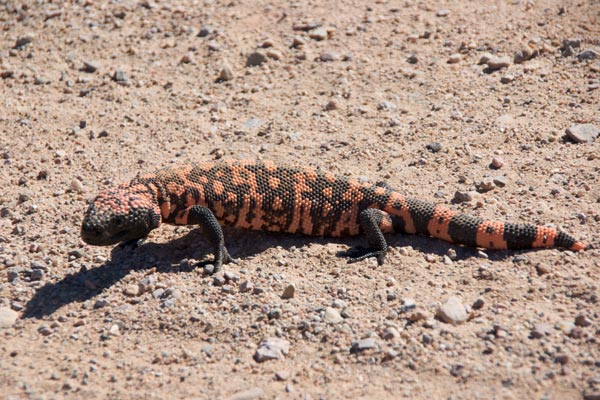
<point>261,195</point>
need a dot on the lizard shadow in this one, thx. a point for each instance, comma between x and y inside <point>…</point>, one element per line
<point>88,282</point>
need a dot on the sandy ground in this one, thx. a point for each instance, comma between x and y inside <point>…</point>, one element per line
<point>94,92</point>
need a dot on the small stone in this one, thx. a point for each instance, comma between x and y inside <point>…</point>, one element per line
<point>499,181</point>
<point>386,106</point>
<point>132,290</point>
<point>478,304</point>
<point>497,163</point>
<point>274,54</point>
<point>332,316</point>
<point>271,349</point>
<point>457,370</point>
<point>583,133</point>
<point>565,326</point>
<point>119,76</point>
<point>543,268</point>
<point>288,292</point>
<point>208,269</point>
<point>282,375</point>
<point>434,147</point>
<point>524,54</point>
<point>461,197</point>
<point>562,359</point>
<point>363,345</point>
<point>454,58</point>
<point>390,333</point>
<point>77,186</point>
<point>588,54</point>
<point>329,56</point>
<point>412,59</point>
<point>256,59</point>
<point>485,57</point>
<point>45,330</point>
<point>8,317</point>
<point>540,330</point>
<point>319,33</point>
<point>508,78</point>
<point>206,30</point>
<point>574,43</point>
<point>442,13</point>
<point>249,394</point>
<point>495,63</point>
<point>37,275</point>
<point>452,311</point>
<point>186,59</point>
<point>23,41</point>
<point>485,185</point>
<point>331,105</point>
<point>583,321</point>
<point>90,66</point>
<point>245,286</point>
<point>100,303</point>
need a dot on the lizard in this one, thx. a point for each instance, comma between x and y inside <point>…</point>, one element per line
<point>265,196</point>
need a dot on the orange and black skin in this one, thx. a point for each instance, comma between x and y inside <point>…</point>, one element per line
<point>262,195</point>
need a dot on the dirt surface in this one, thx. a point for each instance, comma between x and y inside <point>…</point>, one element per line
<point>93,92</point>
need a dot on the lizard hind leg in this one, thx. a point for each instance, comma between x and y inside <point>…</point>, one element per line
<point>373,223</point>
<point>204,217</point>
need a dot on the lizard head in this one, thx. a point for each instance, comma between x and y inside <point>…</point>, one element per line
<point>122,214</point>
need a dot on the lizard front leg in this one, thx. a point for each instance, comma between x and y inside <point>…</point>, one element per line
<point>204,217</point>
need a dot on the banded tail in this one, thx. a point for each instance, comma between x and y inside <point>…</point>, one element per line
<point>416,216</point>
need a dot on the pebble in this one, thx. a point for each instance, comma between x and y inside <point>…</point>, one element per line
<point>319,33</point>
<point>434,147</point>
<point>274,54</point>
<point>386,106</point>
<point>583,133</point>
<point>485,185</point>
<point>332,316</point>
<point>329,56</point>
<point>37,275</point>
<point>120,77</point>
<point>77,186</point>
<point>23,41</point>
<point>571,42</point>
<point>363,344</point>
<point>390,333</point>
<point>461,197</point>
<point>271,349</point>
<point>499,181</point>
<point>588,54</point>
<point>282,375</point>
<point>256,59</point>
<point>90,66</point>
<point>248,394</point>
<point>497,163</point>
<point>495,63</point>
<point>45,330</point>
<point>132,290</point>
<point>485,57</point>
<point>443,12</point>
<point>452,311</point>
<point>8,317</point>
<point>331,105</point>
<point>454,58</point>
<point>288,292</point>
<point>582,320</point>
<point>245,286</point>
<point>543,268</point>
<point>540,330</point>
<point>524,54</point>
<point>508,78</point>
<point>478,304</point>
<point>206,30</point>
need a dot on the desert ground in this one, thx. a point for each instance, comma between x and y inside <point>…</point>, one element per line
<point>491,108</point>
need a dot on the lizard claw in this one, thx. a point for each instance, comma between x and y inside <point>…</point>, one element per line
<point>362,254</point>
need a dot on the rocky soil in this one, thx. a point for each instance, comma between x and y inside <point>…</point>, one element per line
<point>491,106</point>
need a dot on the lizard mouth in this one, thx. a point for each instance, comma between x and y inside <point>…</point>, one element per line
<point>99,239</point>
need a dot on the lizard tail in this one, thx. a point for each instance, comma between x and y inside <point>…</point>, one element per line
<point>416,216</point>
